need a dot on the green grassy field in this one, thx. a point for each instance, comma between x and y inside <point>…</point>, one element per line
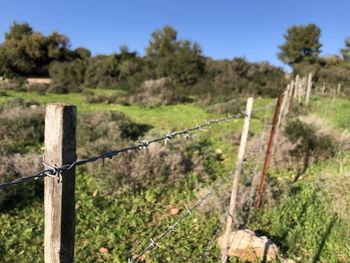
<point>304,222</point>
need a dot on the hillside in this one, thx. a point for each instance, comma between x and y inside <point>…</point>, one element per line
<point>132,198</point>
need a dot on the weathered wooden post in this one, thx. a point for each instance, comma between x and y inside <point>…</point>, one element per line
<point>308,89</point>
<point>338,90</point>
<point>268,152</point>
<point>232,208</point>
<point>296,83</point>
<point>59,201</point>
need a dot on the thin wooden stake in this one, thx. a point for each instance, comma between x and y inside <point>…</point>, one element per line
<point>308,90</point>
<point>232,208</point>
<point>293,87</point>
<point>268,152</point>
<point>281,117</point>
<point>59,202</point>
<point>296,91</point>
<point>338,90</point>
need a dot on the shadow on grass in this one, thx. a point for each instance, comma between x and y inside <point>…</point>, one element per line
<point>22,196</point>
<point>325,236</point>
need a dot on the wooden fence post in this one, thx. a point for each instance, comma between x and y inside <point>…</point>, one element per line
<point>323,88</point>
<point>296,91</point>
<point>338,90</point>
<point>268,152</point>
<point>232,208</point>
<point>59,201</point>
<point>308,90</point>
<point>292,97</point>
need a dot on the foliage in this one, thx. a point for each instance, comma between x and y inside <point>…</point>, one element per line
<point>346,50</point>
<point>69,75</point>
<point>22,126</point>
<point>26,52</point>
<point>178,59</point>
<point>159,92</point>
<point>306,224</point>
<point>226,79</point>
<point>302,44</point>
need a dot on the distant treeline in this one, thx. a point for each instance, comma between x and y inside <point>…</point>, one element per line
<point>179,65</point>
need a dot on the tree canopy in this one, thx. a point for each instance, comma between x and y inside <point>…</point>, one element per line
<point>27,52</point>
<point>302,44</point>
<point>169,57</point>
<point>346,50</point>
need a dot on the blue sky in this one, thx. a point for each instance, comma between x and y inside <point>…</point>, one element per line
<point>224,29</point>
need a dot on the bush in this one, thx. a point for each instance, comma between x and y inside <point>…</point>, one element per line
<point>15,166</point>
<point>102,72</point>
<point>69,75</point>
<point>159,167</point>
<point>21,126</point>
<point>159,92</point>
<point>101,131</point>
<point>58,89</point>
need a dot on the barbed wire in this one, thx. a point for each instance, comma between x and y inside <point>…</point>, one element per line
<point>154,242</point>
<point>54,171</point>
<point>143,144</point>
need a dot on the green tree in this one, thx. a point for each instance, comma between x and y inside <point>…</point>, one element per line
<point>346,50</point>
<point>68,75</point>
<point>26,52</point>
<point>178,59</point>
<point>302,44</point>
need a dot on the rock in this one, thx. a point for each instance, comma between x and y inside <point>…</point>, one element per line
<point>245,245</point>
<point>174,211</point>
<point>103,250</point>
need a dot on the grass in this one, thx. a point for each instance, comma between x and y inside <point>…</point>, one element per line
<point>124,225</point>
<point>305,222</point>
<point>161,119</point>
<point>309,221</point>
<point>336,111</point>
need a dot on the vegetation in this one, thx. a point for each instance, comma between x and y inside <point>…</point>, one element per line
<point>302,45</point>
<point>124,97</point>
<point>188,73</point>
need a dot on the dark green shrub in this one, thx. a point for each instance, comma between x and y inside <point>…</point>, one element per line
<point>102,72</point>
<point>159,92</point>
<point>58,89</point>
<point>70,75</point>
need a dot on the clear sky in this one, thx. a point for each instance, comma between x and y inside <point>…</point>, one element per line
<point>223,28</point>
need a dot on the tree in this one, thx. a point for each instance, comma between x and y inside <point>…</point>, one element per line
<point>302,44</point>
<point>178,59</point>
<point>26,52</point>
<point>346,50</point>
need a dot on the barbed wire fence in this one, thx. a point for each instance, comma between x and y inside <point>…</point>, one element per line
<point>143,144</point>
<point>56,171</point>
